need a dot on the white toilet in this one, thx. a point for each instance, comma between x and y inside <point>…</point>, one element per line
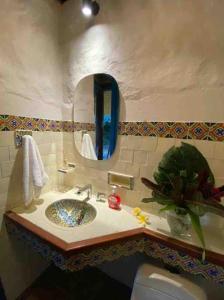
<point>153,283</point>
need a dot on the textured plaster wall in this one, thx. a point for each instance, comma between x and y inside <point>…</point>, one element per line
<point>167,56</point>
<point>30,85</point>
<point>30,66</point>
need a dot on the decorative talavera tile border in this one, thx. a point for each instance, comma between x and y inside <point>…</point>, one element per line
<point>180,130</point>
<point>189,130</point>
<point>11,123</point>
<point>103,254</point>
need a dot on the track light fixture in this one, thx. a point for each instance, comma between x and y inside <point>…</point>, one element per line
<point>90,8</point>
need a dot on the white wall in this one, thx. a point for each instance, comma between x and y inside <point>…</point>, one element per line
<point>30,68</point>
<point>167,56</point>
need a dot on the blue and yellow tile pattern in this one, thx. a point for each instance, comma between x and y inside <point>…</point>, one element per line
<point>181,130</point>
<point>97,256</point>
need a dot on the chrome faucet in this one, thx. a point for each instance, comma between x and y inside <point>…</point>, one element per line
<point>88,188</point>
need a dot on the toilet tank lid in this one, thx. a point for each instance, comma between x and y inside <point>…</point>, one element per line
<point>160,277</point>
<point>150,276</point>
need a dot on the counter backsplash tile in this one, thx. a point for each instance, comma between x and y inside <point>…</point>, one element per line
<point>138,156</point>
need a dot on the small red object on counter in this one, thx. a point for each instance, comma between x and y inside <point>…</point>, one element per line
<point>114,199</point>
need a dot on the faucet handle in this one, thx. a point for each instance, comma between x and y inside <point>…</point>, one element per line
<point>77,189</point>
<point>99,195</point>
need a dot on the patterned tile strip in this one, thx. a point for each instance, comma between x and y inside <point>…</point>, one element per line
<point>180,130</point>
<point>11,123</point>
<point>109,253</point>
<point>185,262</point>
<point>188,130</point>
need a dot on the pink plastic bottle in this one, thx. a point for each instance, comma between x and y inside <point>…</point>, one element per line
<point>114,200</point>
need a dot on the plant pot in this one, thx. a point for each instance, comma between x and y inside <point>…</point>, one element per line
<point>179,224</point>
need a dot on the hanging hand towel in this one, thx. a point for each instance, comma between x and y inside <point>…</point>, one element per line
<point>78,140</point>
<point>87,147</point>
<point>34,175</point>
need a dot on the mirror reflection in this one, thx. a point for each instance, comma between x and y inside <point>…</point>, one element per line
<point>96,114</point>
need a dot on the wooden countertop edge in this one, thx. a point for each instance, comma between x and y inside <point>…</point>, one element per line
<point>70,248</point>
<point>50,238</point>
<point>75,246</point>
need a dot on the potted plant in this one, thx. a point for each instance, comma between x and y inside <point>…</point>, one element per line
<point>185,186</point>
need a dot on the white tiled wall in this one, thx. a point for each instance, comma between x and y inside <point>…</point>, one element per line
<point>137,156</point>
<point>134,155</point>
<point>51,150</point>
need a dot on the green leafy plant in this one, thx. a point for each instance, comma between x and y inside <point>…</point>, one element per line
<point>186,185</point>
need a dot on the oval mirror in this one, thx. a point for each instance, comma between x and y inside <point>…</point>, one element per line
<point>96,115</point>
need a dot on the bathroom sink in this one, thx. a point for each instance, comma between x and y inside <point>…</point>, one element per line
<point>70,213</point>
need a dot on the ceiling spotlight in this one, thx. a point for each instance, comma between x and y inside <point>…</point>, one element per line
<point>86,10</point>
<point>90,8</point>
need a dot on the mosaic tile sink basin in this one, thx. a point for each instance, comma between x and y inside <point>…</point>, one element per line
<point>70,213</point>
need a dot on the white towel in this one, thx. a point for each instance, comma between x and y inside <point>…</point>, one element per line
<point>34,175</point>
<point>87,147</point>
<point>78,140</point>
